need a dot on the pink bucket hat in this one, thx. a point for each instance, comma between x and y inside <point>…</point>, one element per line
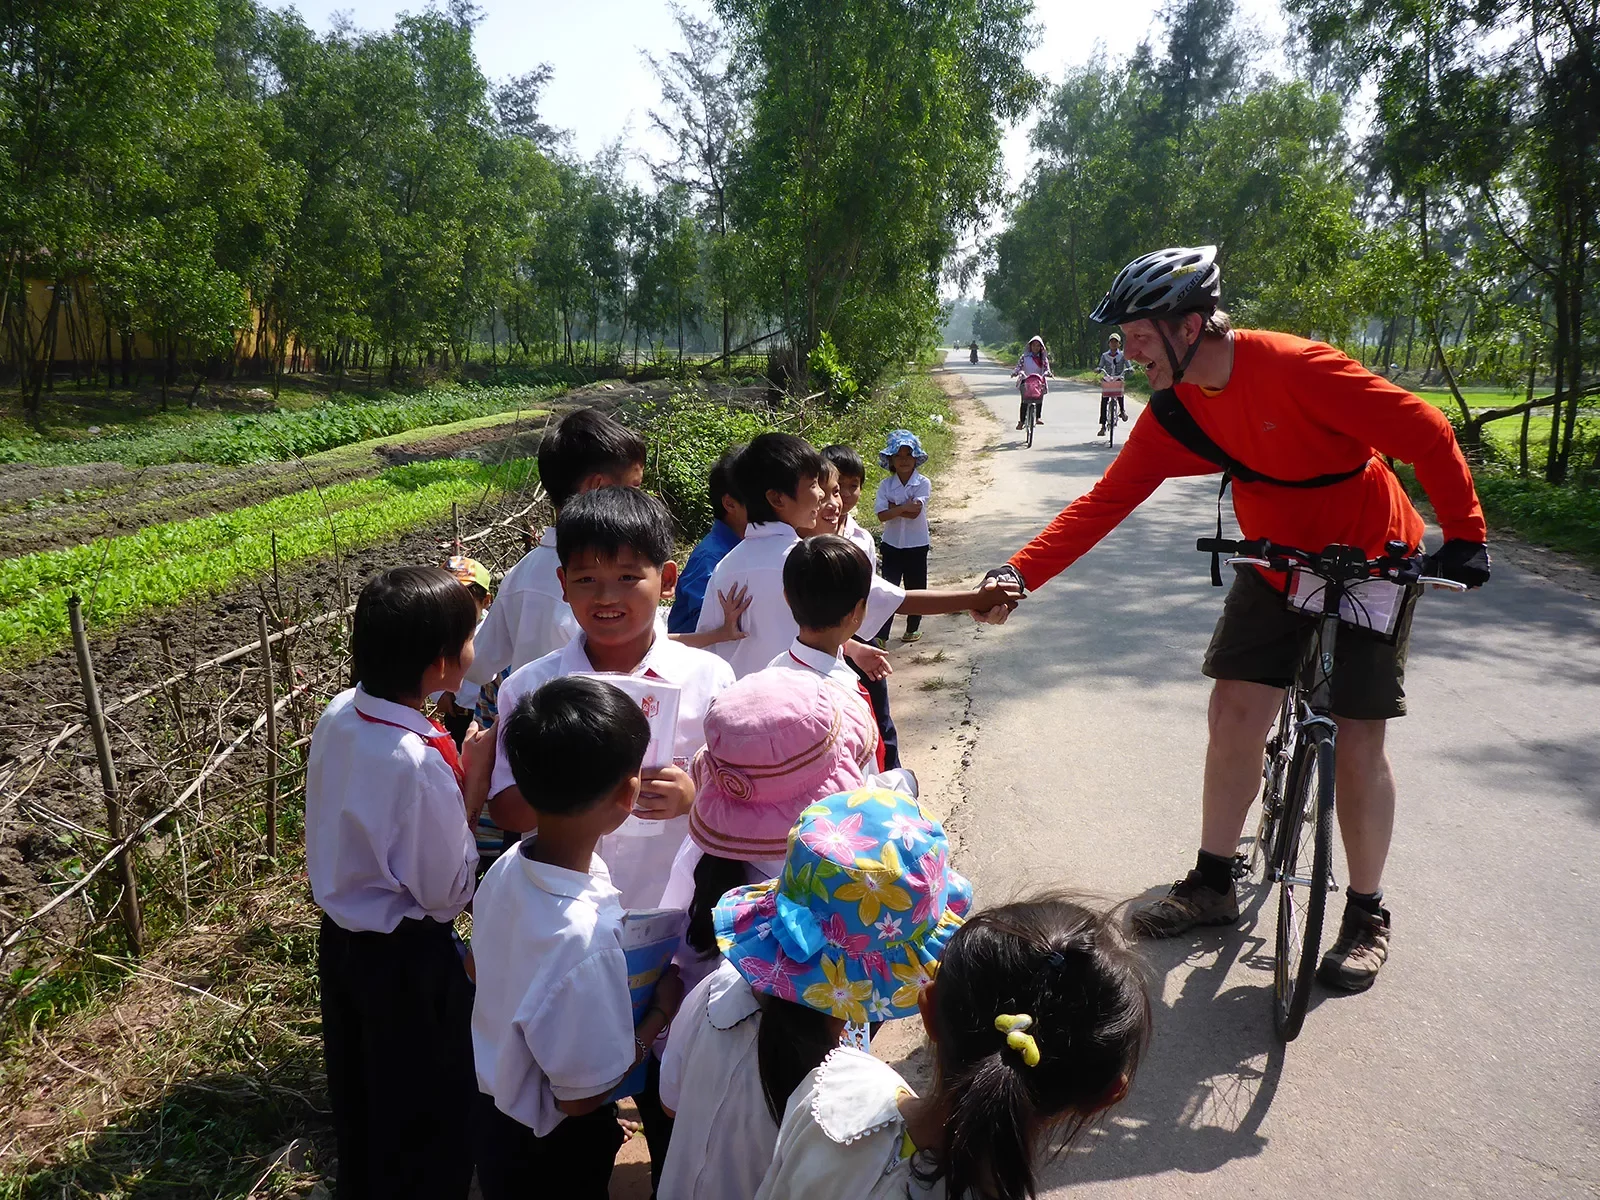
<point>776,741</point>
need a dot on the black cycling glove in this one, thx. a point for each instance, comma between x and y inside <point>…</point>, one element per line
<point>1007,574</point>
<point>1463,561</point>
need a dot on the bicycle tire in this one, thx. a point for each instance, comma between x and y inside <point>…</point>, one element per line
<point>1275,769</point>
<point>1303,899</point>
<point>1111,433</point>
<point>1032,417</point>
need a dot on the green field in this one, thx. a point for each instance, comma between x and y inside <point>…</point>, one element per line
<point>273,436</point>
<point>122,577</point>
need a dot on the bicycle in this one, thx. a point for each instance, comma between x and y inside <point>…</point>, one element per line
<point>1033,389</point>
<point>1295,830</point>
<point>1111,397</point>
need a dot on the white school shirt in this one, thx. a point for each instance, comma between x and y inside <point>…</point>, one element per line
<point>852,531</point>
<point>552,1018</point>
<point>386,824</point>
<point>757,564</point>
<point>832,667</point>
<point>904,533</point>
<point>723,1137</point>
<point>843,1136</point>
<point>528,618</point>
<point>640,853</point>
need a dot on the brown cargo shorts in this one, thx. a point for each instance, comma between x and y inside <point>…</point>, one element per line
<point>1259,639</point>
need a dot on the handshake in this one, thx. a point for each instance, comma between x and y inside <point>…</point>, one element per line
<point>1003,590</point>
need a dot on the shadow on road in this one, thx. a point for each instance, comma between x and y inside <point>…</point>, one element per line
<point>1212,1069</point>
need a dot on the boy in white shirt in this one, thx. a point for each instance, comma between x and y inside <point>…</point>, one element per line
<point>777,477</point>
<point>902,506</point>
<point>586,450</point>
<point>391,857</point>
<point>615,548</point>
<point>552,1029</point>
<point>852,477</point>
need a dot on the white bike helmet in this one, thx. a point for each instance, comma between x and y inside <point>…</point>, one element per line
<point>1165,283</point>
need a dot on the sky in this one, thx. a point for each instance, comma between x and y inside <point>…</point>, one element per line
<point>602,88</point>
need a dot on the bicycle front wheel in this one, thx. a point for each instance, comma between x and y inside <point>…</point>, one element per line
<point>1305,864</point>
<point>1033,415</point>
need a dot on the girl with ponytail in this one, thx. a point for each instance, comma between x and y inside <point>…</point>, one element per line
<point>1038,1016</point>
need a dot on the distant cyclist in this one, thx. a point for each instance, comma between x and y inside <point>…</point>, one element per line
<point>1113,365</point>
<point>1034,361</point>
<point>1312,428</point>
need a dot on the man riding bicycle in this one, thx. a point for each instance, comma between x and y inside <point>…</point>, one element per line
<point>1035,362</point>
<point>1316,426</point>
<point>1113,365</point>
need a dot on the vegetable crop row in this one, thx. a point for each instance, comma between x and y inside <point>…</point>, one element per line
<point>275,436</point>
<point>166,564</point>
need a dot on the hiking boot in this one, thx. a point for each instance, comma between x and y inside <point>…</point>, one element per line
<point>1352,962</point>
<point>1188,904</point>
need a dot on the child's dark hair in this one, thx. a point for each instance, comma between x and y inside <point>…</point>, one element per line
<point>572,742</point>
<point>584,443</point>
<point>846,460</point>
<point>607,519</point>
<point>721,485</point>
<point>773,462</point>
<point>824,578</point>
<point>714,878</point>
<point>1069,969</point>
<point>790,1044</point>
<point>407,618</point>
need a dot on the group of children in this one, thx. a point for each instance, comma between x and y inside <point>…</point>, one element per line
<point>817,893</point>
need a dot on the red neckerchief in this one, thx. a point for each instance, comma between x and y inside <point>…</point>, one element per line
<point>866,698</point>
<point>441,741</point>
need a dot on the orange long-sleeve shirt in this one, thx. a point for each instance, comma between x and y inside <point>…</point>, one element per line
<point>1292,409</point>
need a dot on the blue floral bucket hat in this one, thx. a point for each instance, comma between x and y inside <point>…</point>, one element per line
<point>897,439</point>
<point>865,906</point>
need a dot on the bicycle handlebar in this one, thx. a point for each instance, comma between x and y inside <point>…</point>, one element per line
<point>1347,564</point>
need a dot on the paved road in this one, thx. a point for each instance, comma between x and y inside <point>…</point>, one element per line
<point>1471,1068</point>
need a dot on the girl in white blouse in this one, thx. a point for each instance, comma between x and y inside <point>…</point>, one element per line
<point>1038,1017</point>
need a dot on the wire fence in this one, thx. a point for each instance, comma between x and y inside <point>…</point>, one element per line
<point>193,776</point>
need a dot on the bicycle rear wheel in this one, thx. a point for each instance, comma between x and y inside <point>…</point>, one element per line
<point>1275,765</point>
<point>1304,857</point>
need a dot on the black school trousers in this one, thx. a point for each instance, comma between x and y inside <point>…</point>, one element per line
<point>571,1162</point>
<point>906,567</point>
<point>397,1040</point>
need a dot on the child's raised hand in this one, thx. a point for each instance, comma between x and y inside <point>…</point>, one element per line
<point>870,659</point>
<point>734,605</point>
<point>477,752</point>
<point>667,793</point>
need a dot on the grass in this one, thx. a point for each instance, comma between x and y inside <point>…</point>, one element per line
<point>123,577</point>
<point>233,440</point>
<point>181,1089</point>
<point>1561,518</point>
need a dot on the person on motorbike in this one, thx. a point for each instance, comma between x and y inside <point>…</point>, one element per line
<point>1300,413</point>
<point>1113,365</point>
<point>974,349</point>
<point>1034,361</point>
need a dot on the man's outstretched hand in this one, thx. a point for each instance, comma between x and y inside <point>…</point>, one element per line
<point>1003,589</point>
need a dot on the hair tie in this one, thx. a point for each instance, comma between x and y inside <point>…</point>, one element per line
<point>1014,1026</point>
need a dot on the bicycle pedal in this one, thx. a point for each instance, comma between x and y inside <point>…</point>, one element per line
<point>1241,866</point>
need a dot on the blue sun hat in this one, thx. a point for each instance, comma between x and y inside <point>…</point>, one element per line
<point>864,908</point>
<point>897,439</point>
